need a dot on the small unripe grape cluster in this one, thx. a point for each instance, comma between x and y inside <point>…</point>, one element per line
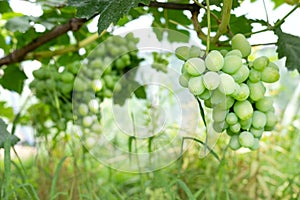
<point>87,82</point>
<point>234,89</point>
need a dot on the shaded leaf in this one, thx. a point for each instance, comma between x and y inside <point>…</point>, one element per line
<point>289,47</point>
<point>140,93</point>
<point>21,24</point>
<point>13,79</point>
<point>201,111</point>
<point>4,134</point>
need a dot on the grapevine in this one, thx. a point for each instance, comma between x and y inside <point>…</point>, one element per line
<point>234,88</point>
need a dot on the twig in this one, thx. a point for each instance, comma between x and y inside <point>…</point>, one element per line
<point>173,6</point>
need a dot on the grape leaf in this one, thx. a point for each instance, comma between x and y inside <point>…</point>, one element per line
<point>4,134</point>
<point>4,7</point>
<point>13,79</point>
<point>6,111</point>
<point>164,26</point>
<point>110,10</point>
<point>289,47</point>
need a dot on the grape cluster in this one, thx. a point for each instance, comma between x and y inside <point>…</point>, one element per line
<point>234,89</point>
<point>86,83</point>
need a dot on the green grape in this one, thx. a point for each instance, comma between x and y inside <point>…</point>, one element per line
<point>232,64</point>
<point>229,102</point>
<point>254,76</point>
<point>184,79</point>
<point>217,97</point>
<point>96,85</point>
<point>255,145</point>
<point>120,64</point>
<point>260,63</point>
<point>243,93</point>
<point>67,77</point>
<point>223,52</point>
<point>194,66</point>
<point>270,75</point>
<point>243,109</point>
<point>264,104</point>
<point>235,128</point>
<point>211,80</point>
<point>87,121</point>
<point>219,115</point>
<point>80,85</point>
<point>227,84</point>
<point>234,143</point>
<point>182,52</point>
<point>96,63</point>
<point>96,128</point>
<point>271,121</point>
<point>259,120</point>
<point>257,133</point>
<point>246,124</point>
<point>195,52</point>
<point>246,139</point>
<point>83,109</point>
<point>214,61</point>
<point>205,95</point>
<point>196,85</point>
<point>66,88</point>
<point>240,43</point>
<point>235,52</point>
<point>219,126</point>
<point>257,90</point>
<point>109,81</point>
<point>40,74</point>
<point>208,103</point>
<point>241,75</point>
<point>231,118</point>
<point>93,106</point>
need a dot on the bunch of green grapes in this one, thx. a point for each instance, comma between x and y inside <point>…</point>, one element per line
<point>86,83</point>
<point>234,89</point>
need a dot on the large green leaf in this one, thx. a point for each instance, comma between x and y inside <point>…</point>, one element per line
<point>13,79</point>
<point>4,134</point>
<point>162,26</point>
<point>110,10</point>
<point>289,47</point>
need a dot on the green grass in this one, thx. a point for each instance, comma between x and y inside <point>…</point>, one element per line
<point>272,172</point>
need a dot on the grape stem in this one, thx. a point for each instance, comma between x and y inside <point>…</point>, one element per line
<point>208,27</point>
<point>223,26</point>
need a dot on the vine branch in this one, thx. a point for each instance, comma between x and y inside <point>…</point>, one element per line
<point>18,55</point>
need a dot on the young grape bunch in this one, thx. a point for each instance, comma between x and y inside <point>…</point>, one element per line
<point>234,88</point>
<point>86,83</point>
